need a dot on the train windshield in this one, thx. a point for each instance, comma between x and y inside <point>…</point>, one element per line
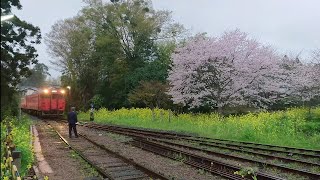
<point>57,96</point>
<point>45,95</point>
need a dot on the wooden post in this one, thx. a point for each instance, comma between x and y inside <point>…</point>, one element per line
<point>15,173</point>
<point>11,146</point>
<point>9,162</point>
<point>8,130</point>
<point>16,155</point>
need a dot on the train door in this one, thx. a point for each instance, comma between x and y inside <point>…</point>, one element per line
<point>57,103</point>
<point>54,101</point>
<point>61,103</point>
<point>44,102</point>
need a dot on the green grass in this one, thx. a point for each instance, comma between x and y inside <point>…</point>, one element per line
<point>21,138</point>
<point>3,136</point>
<point>295,127</point>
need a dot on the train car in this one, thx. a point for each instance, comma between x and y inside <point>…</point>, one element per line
<point>45,102</point>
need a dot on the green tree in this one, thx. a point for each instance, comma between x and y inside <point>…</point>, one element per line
<point>132,45</point>
<point>109,47</point>
<point>38,76</point>
<point>134,25</point>
<point>71,43</point>
<point>156,70</point>
<point>151,94</point>
<point>17,52</point>
<point>53,81</point>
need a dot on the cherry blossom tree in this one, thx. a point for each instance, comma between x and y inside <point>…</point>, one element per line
<point>303,79</point>
<point>316,56</point>
<point>316,62</point>
<point>316,74</point>
<point>227,71</point>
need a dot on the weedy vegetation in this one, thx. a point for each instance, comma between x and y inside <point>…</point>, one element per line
<point>296,127</point>
<point>21,138</point>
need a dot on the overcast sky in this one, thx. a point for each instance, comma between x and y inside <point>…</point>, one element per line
<point>290,26</point>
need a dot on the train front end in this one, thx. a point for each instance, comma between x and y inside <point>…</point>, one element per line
<point>52,102</point>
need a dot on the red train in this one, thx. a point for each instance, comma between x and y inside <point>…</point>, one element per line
<point>45,102</point>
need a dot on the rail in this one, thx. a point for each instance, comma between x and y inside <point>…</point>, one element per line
<point>127,163</point>
<point>155,136</point>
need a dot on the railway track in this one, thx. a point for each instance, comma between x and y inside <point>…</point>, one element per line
<point>109,164</point>
<point>147,134</point>
<point>208,164</point>
<point>260,163</point>
<point>231,145</point>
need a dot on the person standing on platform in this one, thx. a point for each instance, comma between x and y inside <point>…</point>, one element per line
<point>72,120</point>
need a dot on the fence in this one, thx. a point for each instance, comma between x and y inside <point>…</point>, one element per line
<point>12,158</point>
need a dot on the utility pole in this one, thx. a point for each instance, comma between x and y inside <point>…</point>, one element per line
<point>69,97</point>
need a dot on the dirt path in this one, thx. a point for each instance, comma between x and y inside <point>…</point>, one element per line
<point>117,143</point>
<point>56,160</point>
<point>64,165</point>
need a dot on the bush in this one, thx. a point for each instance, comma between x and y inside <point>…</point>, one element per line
<point>21,138</point>
<point>293,127</point>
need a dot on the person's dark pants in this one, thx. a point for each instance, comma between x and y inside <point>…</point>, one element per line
<point>74,127</point>
<point>91,116</point>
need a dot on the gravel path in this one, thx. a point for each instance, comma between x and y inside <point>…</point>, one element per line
<point>64,163</point>
<point>117,143</point>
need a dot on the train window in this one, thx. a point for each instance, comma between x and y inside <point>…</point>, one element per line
<point>45,95</point>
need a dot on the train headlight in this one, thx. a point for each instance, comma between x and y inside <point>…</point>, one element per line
<point>54,91</point>
<point>46,91</point>
<point>63,91</point>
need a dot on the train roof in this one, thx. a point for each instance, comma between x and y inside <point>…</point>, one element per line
<point>28,90</point>
<point>33,90</point>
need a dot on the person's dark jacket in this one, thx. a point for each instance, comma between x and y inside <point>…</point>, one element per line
<point>72,117</point>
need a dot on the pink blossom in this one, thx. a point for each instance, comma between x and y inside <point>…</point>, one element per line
<point>227,71</point>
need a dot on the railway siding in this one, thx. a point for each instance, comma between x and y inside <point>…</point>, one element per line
<point>109,164</point>
<point>63,163</point>
<point>138,133</point>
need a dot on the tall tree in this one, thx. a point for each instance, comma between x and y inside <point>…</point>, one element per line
<point>316,69</point>
<point>38,76</point>
<point>303,80</point>
<point>227,71</point>
<point>71,43</point>
<point>316,56</point>
<point>128,33</point>
<point>17,51</point>
<point>53,81</point>
<point>135,25</point>
<point>122,39</point>
<point>151,94</point>
<point>156,70</point>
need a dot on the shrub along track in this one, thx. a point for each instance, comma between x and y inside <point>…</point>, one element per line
<point>143,137</point>
<point>109,164</point>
